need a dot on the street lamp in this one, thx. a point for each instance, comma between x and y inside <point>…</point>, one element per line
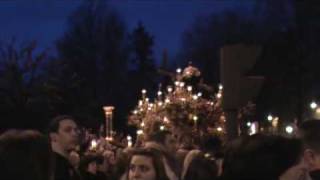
<point>108,113</point>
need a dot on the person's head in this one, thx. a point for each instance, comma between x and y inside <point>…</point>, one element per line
<point>145,164</point>
<point>262,157</point>
<point>63,134</point>
<point>309,132</point>
<point>164,138</point>
<point>25,155</point>
<point>201,167</point>
<point>89,163</point>
<point>210,144</point>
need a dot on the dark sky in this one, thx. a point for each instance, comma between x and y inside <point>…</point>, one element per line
<point>45,21</point>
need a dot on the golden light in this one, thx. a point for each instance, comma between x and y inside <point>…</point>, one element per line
<point>318,110</point>
<point>161,128</point>
<point>144,91</point>
<point>183,99</point>
<point>220,87</point>
<point>177,83</point>
<point>93,144</point>
<point>219,129</point>
<point>194,97</point>
<point>170,89</point>
<point>270,117</point>
<point>142,124</point>
<point>181,84</point>
<point>195,118</point>
<point>108,110</point>
<point>135,112</point>
<point>139,132</point>
<point>167,101</point>
<point>159,93</point>
<point>160,103</point>
<point>219,95</point>
<point>189,88</point>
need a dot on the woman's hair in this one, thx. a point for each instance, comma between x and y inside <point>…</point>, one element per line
<point>87,159</point>
<point>202,167</point>
<point>25,155</point>
<point>157,162</point>
<point>260,157</point>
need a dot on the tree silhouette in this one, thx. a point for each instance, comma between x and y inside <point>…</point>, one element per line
<point>143,69</point>
<point>22,99</point>
<point>94,49</point>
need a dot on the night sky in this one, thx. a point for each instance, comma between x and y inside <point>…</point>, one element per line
<point>45,21</point>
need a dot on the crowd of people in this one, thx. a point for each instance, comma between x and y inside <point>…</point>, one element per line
<point>62,155</point>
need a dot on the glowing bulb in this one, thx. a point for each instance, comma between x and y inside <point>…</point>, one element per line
<point>220,87</point>
<point>144,91</point>
<point>183,99</point>
<point>139,132</point>
<point>313,105</point>
<point>195,118</point>
<point>189,88</point>
<point>181,84</point>
<point>219,95</point>
<point>94,144</point>
<point>159,93</point>
<point>147,99</point>
<point>194,97</point>
<point>177,83</point>
<point>199,94</point>
<point>179,70</point>
<point>169,89</point>
<point>129,143</point>
<point>142,124</point>
<point>161,128</point>
<point>129,138</point>
<point>219,129</point>
<point>160,103</point>
<point>248,124</point>
<point>289,129</point>
<point>270,117</point>
<point>140,103</point>
<point>167,101</point>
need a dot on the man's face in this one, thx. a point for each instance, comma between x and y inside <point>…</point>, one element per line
<point>311,159</point>
<point>67,135</point>
<point>141,168</point>
<point>170,143</point>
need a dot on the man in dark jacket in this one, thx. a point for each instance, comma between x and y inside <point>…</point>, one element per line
<point>63,134</point>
